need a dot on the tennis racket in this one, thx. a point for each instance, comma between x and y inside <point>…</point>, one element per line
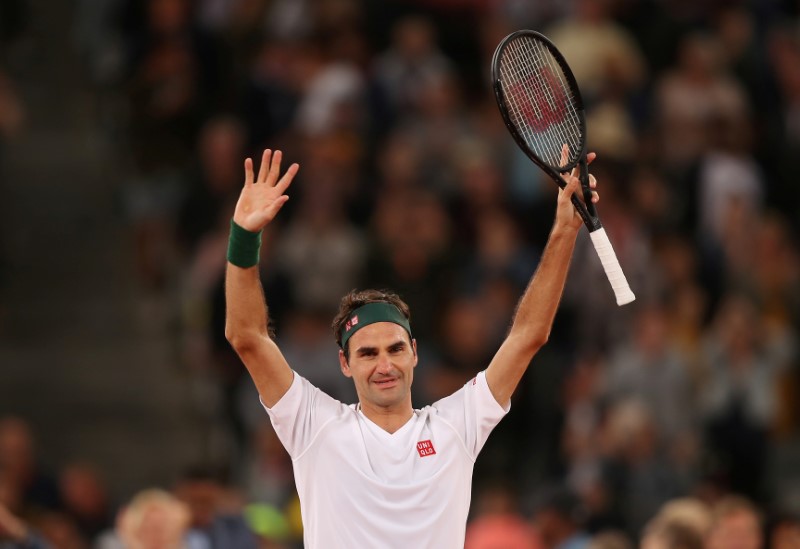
<point>542,107</point>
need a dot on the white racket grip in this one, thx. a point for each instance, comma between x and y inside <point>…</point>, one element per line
<point>611,265</point>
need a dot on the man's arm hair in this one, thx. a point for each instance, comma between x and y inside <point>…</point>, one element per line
<point>533,318</point>
<point>536,310</point>
<point>246,329</point>
<point>246,319</point>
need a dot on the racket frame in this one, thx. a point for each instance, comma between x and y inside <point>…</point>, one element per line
<point>584,208</point>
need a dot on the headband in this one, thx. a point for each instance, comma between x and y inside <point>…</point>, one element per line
<point>370,314</point>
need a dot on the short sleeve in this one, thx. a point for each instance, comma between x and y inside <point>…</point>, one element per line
<point>473,412</point>
<point>301,413</point>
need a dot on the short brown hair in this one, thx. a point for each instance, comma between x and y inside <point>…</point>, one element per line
<point>357,298</point>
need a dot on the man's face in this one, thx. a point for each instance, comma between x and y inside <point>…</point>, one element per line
<point>382,361</point>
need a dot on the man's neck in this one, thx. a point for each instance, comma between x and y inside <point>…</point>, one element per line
<point>390,419</point>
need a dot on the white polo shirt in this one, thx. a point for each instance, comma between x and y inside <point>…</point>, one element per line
<point>361,487</point>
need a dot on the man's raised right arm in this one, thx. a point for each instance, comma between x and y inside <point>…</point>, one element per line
<point>246,309</point>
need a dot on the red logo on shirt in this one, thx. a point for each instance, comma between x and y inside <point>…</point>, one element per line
<point>350,323</point>
<point>425,448</point>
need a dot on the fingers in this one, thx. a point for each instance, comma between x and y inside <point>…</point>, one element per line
<point>287,178</point>
<point>263,169</point>
<point>248,171</point>
<point>270,170</point>
<point>274,168</point>
<point>572,177</point>
<point>593,185</point>
<point>274,207</point>
<point>565,158</point>
<point>564,155</point>
<point>572,187</point>
<point>270,167</point>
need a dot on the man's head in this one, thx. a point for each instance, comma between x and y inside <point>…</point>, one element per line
<point>347,321</point>
<point>376,348</point>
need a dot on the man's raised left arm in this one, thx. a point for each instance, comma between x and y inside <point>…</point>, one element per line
<point>537,308</point>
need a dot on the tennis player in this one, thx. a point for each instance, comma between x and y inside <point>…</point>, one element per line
<point>379,473</point>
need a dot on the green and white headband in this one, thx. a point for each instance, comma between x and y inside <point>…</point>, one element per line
<point>370,314</point>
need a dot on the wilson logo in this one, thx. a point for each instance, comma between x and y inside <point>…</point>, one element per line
<point>541,99</point>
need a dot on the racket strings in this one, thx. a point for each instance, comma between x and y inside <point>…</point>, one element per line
<point>540,101</point>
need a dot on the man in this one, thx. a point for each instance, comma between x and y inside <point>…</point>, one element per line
<point>380,473</point>
<point>558,519</point>
<point>735,524</point>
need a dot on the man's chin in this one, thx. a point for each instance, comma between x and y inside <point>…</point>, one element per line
<point>388,398</point>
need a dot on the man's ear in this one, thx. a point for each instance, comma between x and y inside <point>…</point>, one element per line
<point>343,365</point>
<point>414,348</point>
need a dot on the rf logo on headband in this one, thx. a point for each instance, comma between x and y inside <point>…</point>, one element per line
<point>350,323</point>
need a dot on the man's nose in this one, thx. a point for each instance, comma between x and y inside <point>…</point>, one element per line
<point>384,364</point>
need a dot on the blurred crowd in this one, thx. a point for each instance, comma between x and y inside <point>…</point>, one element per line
<point>654,424</point>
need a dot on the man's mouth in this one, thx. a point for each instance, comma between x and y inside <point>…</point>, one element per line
<point>386,383</point>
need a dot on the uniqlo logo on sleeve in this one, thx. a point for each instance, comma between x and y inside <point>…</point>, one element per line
<point>425,448</point>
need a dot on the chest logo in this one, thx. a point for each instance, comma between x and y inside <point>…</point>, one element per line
<point>425,448</point>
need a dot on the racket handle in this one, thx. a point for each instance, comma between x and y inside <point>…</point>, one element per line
<point>610,263</point>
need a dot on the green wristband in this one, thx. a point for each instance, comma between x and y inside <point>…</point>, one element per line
<point>243,246</point>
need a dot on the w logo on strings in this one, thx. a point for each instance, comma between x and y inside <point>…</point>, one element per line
<point>540,99</point>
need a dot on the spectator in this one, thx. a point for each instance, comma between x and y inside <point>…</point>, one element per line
<point>784,531</point>
<point>639,473</point>
<point>666,535</point>
<point>266,476</point>
<point>557,519</point>
<point>610,540</point>
<point>689,98</point>
<point>16,534</point>
<point>85,498</point>
<point>497,522</point>
<point>600,52</point>
<point>650,369</point>
<point>215,511</point>
<point>680,524</point>
<point>735,524</point>
<point>321,251</point>
<point>153,519</point>
<point>213,181</point>
<point>29,484</point>
<point>412,59</point>
<point>738,403</point>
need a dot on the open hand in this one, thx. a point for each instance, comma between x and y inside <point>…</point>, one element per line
<point>262,198</point>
